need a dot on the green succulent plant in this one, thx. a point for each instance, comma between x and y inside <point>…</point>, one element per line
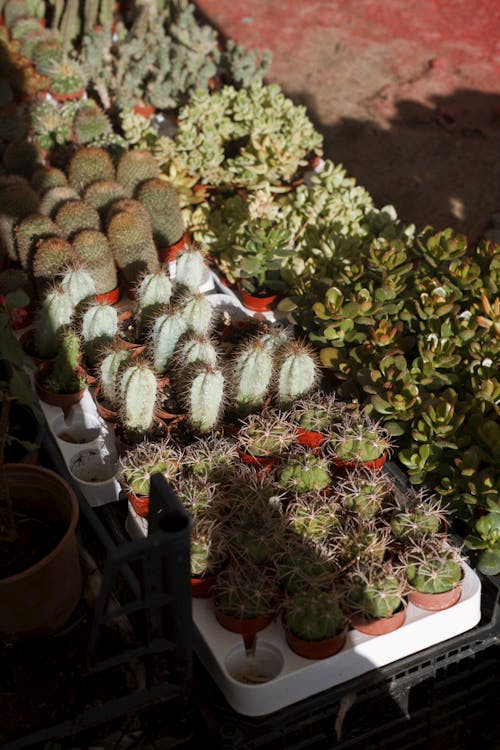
<point>374,591</point>
<point>138,464</point>
<point>304,472</point>
<point>433,568</point>
<point>486,540</point>
<point>314,615</point>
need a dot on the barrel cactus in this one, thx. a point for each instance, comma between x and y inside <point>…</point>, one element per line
<point>88,165</point>
<point>135,167</point>
<point>314,615</point>
<point>433,567</point>
<point>75,215</point>
<point>304,472</point>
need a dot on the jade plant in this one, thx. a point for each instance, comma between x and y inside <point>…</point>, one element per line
<point>486,540</point>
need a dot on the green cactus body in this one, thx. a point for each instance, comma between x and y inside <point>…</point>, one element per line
<point>90,124</point>
<point>205,398</point>
<point>102,194</point>
<point>190,270</point>
<point>305,474</point>
<point>94,254</point>
<point>64,377</point>
<point>134,168</point>
<point>434,576</point>
<point>55,197</point>
<point>197,349</point>
<point>45,53</point>
<point>109,374</point>
<point>45,178</point>
<point>167,331</point>
<point>198,313</point>
<point>29,232</point>
<point>79,285</point>
<point>74,216</point>
<point>379,598</point>
<point>138,392</point>
<point>314,615</point>
<point>162,202</point>
<point>298,373</point>
<point>89,165</point>
<point>52,258</point>
<point>99,328</point>
<point>132,245</point>
<point>154,289</point>
<point>130,206</point>
<point>252,374</point>
<point>17,200</point>
<point>54,315</point>
<point>414,524</point>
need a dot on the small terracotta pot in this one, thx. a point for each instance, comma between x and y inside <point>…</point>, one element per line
<point>257,303</point>
<point>139,503</point>
<point>316,649</point>
<point>145,110</point>
<point>309,438</point>
<point>201,586</point>
<point>261,462</point>
<point>109,415</point>
<point>64,401</point>
<point>247,626</point>
<point>381,626</point>
<point>169,254</point>
<point>109,298</point>
<point>343,467</point>
<point>68,96</point>
<point>435,602</point>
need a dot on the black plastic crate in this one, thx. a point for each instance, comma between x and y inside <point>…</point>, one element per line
<point>137,637</point>
<point>445,696</point>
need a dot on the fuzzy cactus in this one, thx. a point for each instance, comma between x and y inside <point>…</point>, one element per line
<point>161,200</point>
<point>297,372</point>
<point>74,216</point>
<point>113,362</point>
<point>102,194</point>
<point>152,295</point>
<point>29,232</point>
<point>190,269</point>
<point>132,245</point>
<point>138,395</point>
<point>130,206</point>
<point>203,397</point>
<point>44,178</point>
<point>134,168</point>
<point>304,472</point>
<point>65,377</point>
<point>196,349</point>
<point>91,123</point>
<point>94,254</point>
<point>88,165</point>
<point>165,335</point>
<point>78,284</point>
<point>198,313</point>
<point>55,197</point>
<point>252,372</point>
<point>52,257</point>
<point>99,328</point>
<point>54,315</point>
<point>314,615</point>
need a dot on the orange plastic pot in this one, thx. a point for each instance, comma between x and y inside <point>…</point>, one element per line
<point>169,254</point>
<point>109,298</point>
<point>435,602</point>
<point>257,303</point>
<point>380,626</point>
<point>261,462</point>
<point>316,649</point>
<point>343,467</point>
<point>68,96</point>
<point>309,438</point>
<point>201,586</point>
<point>109,415</point>
<point>40,600</point>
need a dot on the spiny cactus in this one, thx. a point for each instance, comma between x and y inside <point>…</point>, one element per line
<point>297,372</point>
<point>433,568</point>
<point>52,257</point>
<point>195,349</point>
<point>90,124</point>
<point>252,372</point>
<point>190,269</point>
<point>138,395</point>
<point>152,294</point>
<point>45,53</point>
<point>139,463</point>
<point>78,284</point>
<point>358,438</point>
<point>102,194</point>
<point>64,377</point>
<point>314,615</point>
<point>29,232</point>
<point>113,362</point>
<point>420,516</point>
<point>374,591</point>
<point>304,472</point>
<point>211,458</point>
<point>132,245</point>
<point>198,313</point>
<point>53,316</point>
<point>88,165</point>
<point>94,253</point>
<point>165,335</point>
<point>300,566</point>
<point>73,216</point>
<point>245,591</point>
<point>268,433</point>
<point>99,328</point>
<point>44,178</point>
<point>203,397</point>
<point>130,206</point>
<point>21,157</point>
<point>364,492</point>
<point>134,168</point>
<point>17,200</point>
<point>161,200</point>
<point>55,197</point>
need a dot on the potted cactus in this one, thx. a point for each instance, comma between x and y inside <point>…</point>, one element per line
<point>138,464</point>
<point>208,556</point>
<point>62,382</point>
<point>314,414</point>
<point>356,440</point>
<point>375,596</point>
<point>434,572</point>
<point>304,472</point>
<point>263,438</point>
<point>418,516</point>
<point>315,625</point>
<point>301,566</point>
<point>364,493</point>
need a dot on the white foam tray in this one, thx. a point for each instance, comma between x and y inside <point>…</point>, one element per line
<point>295,678</point>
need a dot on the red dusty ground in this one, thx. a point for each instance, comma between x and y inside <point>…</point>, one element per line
<point>406,93</point>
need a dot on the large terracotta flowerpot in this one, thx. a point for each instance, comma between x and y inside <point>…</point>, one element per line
<point>63,400</point>
<point>316,649</point>
<point>435,602</point>
<point>381,626</point>
<point>40,599</point>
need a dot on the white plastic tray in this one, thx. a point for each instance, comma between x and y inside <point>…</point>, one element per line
<point>292,678</point>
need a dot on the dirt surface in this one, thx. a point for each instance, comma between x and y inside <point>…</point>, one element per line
<point>406,94</point>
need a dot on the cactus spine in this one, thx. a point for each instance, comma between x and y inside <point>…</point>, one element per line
<point>138,391</point>
<point>166,333</point>
<point>52,257</point>
<point>110,368</point>
<point>28,232</point>
<point>161,200</point>
<point>89,165</point>
<point>197,349</point>
<point>197,312</point>
<point>298,373</point>
<point>74,216</point>
<point>94,253</point>
<point>134,168</point>
<point>54,315</point>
